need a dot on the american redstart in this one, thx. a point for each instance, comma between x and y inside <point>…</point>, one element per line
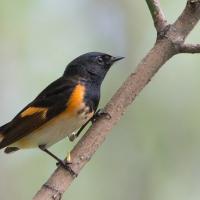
<point>66,105</point>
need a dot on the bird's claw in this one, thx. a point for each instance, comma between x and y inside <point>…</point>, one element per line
<point>72,137</point>
<point>66,165</point>
<point>100,113</point>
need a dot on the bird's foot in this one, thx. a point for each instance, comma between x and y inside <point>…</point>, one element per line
<point>100,113</point>
<point>73,136</point>
<point>66,165</point>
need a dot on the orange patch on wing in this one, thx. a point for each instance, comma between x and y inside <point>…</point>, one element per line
<point>76,99</point>
<point>33,110</point>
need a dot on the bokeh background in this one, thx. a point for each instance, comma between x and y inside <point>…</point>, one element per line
<point>153,152</point>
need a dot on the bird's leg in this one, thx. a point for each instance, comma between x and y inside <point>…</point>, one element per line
<point>64,164</point>
<point>99,113</point>
<point>43,148</point>
<point>75,135</point>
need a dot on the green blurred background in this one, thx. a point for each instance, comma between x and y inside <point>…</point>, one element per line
<point>153,152</point>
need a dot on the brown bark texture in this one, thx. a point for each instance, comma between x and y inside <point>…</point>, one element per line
<point>170,41</point>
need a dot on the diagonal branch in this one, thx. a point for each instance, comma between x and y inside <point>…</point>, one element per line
<point>190,48</point>
<point>95,136</point>
<point>157,14</point>
<point>163,50</point>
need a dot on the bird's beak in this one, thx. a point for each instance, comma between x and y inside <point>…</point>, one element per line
<point>117,58</point>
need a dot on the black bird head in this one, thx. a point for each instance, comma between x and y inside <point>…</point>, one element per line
<point>91,66</point>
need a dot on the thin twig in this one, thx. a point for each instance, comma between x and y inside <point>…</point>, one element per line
<point>189,48</point>
<point>187,18</point>
<point>157,14</point>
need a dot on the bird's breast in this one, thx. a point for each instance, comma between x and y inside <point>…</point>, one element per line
<point>56,129</point>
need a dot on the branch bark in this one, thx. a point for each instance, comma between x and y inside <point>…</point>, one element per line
<point>170,43</point>
<point>190,48</point>
<point>157,14</point>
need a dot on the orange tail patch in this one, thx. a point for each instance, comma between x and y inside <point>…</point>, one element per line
<point>1,137</point>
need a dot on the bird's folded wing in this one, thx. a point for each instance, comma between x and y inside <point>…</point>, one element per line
<point>49,103</point>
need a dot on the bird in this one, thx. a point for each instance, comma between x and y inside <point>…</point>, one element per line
<point>68,104</point>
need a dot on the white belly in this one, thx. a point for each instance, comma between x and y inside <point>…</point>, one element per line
<point>53,131</point>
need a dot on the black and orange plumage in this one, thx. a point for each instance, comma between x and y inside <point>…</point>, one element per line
<point>60,109</point>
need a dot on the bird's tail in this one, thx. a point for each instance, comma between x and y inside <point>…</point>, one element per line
<point>2,132</point>
<point>9,150</point>
<point>1,137</point>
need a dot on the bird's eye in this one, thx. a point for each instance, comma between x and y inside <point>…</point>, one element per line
<point>100,60</point>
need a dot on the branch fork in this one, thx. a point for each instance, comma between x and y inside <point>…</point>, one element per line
<point>164,30</point>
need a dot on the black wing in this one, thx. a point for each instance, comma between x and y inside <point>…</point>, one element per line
<point>48,104</point>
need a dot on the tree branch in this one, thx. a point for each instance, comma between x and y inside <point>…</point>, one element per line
<point>163,50</point>
<point>157,14</point>
<point>190,48</point>
<point>186,21</point>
